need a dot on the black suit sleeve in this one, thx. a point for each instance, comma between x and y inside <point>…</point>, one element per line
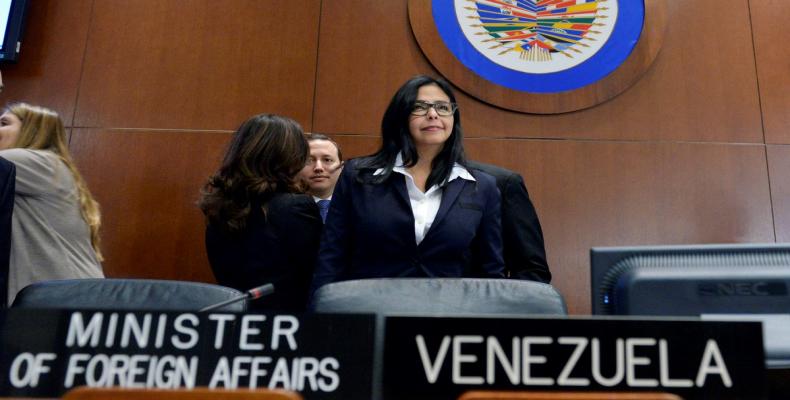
<point>279,248</point>
<point>525,254</point>
<point>487,244</point>
<point>299,226</point>
<point>7,175</point>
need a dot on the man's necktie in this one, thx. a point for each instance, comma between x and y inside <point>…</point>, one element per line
<point>323,208</point>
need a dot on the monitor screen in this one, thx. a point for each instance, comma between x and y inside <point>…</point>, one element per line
<point>12,18</point>
<point>738,281</point>
<point>5,10</point>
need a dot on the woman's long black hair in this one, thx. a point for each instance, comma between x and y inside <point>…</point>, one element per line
<point>264,155</point>
<point>396,138</point>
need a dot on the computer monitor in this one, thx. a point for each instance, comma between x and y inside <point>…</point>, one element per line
<point>12,21</point>
<point>736,282</point>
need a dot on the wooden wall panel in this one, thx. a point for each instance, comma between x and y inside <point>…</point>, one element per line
<point>148,183</point>
<point>198,64</point>
<point>693,92</point>
<point>769,23</point>
<point>779,173</point>
<point>616,194</point>
<point>357,146</point>
<point>50,61</point>
<point>365,53</point>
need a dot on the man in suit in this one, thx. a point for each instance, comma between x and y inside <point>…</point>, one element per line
<point>7,176</point>
<point>322,169</point>
<point>522,237</point>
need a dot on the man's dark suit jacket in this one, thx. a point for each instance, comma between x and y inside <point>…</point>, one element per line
<point>522,238</point>
<point>279,247</point>
<point>7,177</point>
<point>369,232</point>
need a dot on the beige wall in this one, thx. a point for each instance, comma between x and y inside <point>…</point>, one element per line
<point>695,152</point>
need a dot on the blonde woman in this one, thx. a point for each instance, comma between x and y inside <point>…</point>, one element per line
<point>55,222</point>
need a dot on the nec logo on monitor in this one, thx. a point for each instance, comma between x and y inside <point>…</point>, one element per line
<point>742,288</point>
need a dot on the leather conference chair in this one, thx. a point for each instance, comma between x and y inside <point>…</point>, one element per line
<point>127,294</point>
<point>439,296</point>
<point>85,393</point>
<point>434,297</point>
<point>7,183</point>
<point>492,395</point>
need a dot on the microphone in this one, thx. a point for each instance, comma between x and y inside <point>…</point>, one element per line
<point>252,294</point>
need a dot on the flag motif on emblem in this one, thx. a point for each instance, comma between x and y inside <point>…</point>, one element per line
<point>538,29</point>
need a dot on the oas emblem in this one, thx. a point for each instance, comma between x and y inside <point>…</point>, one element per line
<point>534,46</point>
<point>537,36</point>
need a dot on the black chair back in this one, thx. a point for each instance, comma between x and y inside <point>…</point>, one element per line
<point>445,296</point>
<point>127,294</point>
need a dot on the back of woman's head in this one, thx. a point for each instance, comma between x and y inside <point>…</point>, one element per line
<point>263,157</point>
<point>42,129</point>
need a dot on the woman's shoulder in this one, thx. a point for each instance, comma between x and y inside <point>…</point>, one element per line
<point>28,156</point>
<point>293,208</point>
<point>359,169</point>
<point>287,201</point>
<point>482,177</point>
<point>352,166</point>
<point>36,170</point>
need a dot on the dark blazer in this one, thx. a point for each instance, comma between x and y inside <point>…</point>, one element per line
<point>7,183</point>
<point>279,247</point>
<point>369,231</point>
<point>522,238</point>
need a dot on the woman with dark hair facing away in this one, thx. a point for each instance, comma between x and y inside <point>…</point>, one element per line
<point>260,228</point>
<point>413,209</point>
<point>55,222</point>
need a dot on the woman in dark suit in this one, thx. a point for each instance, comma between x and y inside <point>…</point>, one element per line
<point>413,209</point>
<point>260,228</point>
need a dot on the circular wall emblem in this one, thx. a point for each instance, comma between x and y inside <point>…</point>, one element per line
<point>540,46</point>
<point>540,56</point>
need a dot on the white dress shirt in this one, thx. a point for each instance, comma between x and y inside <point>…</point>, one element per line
<point>425,206</point>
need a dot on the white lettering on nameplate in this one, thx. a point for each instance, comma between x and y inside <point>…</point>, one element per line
<point>125,350</point>
<point>518,360</point>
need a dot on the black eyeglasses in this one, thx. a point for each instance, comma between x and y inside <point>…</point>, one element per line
<point>442,108</point>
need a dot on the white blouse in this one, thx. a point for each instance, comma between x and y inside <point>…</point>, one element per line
<point>425,206</point>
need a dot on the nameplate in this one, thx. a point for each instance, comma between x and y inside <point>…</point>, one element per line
<point>48,352</point>
<point>440,358</point>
